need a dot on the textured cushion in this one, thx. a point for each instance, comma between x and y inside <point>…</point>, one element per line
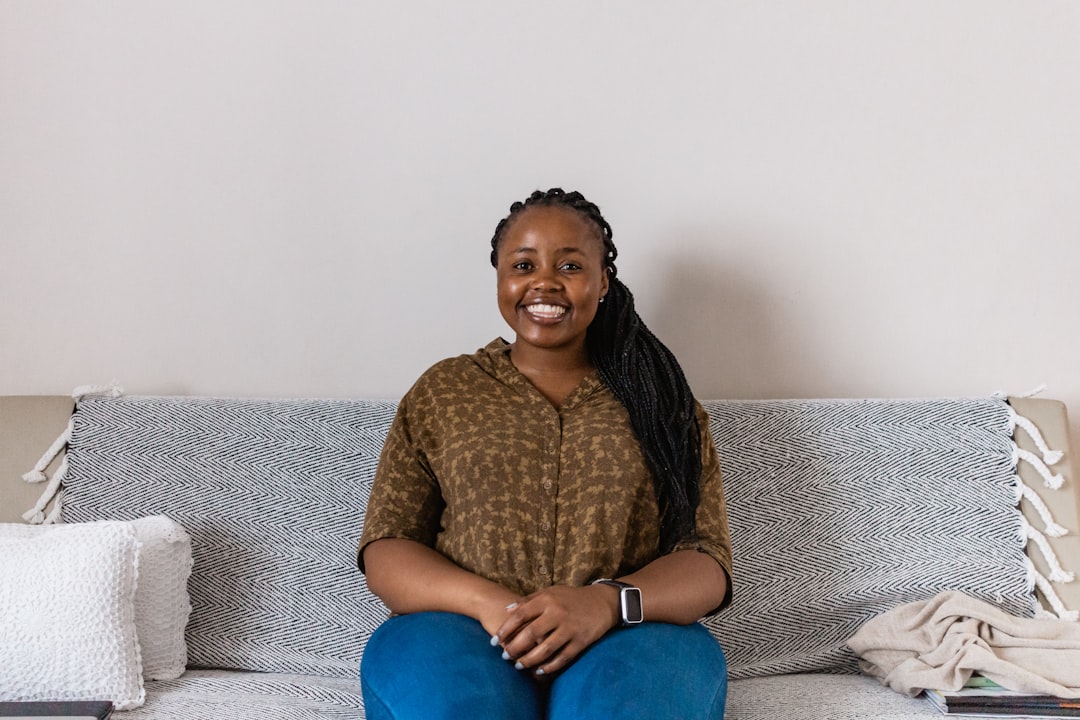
<point>162,605</point>
<point>821,696</point>
<point>67,616</point>
<point>840,510</point>
<point>244,695</point>
<point>272,493</point>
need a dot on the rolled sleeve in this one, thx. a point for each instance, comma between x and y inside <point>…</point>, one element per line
<point>406,501</point>
<point>713,535</point>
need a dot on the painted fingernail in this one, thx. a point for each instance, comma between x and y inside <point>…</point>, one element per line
<point>494,640</point>
<point>511,606</point>
<point>506,655</point>
<point>519,666</point>
<point>540,671</point>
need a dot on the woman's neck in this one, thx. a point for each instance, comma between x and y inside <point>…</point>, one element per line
<point>554,361</point>
<point>555,373</point>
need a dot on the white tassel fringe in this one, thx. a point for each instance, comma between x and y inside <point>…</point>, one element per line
<point>1024,491</point>
<point>1051,480</point>
<point>38,473</point>
<point>1049,456</point>
<point>36,515</point>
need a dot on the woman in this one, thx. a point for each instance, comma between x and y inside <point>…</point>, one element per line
<point>516,478</point>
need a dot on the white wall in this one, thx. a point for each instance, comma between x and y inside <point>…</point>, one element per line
<point>826,198</point>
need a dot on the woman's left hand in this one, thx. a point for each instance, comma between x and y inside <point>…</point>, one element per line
<point>548,629</point>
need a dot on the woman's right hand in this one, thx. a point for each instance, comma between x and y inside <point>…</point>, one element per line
<point>547,630</point>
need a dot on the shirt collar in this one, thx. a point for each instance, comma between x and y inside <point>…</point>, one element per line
<point>495,359</point>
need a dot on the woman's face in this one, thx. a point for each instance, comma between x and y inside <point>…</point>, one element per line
<point>551,277</point>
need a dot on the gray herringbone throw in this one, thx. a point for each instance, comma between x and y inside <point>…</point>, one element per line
<point>839,510</point>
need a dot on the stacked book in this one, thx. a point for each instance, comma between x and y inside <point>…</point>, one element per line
<point>982,697</point>
<point>61,709</point>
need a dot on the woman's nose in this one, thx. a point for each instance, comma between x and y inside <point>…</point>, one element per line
<point>547,278</point>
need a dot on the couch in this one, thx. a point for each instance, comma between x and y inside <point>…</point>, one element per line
<point>840,509</point>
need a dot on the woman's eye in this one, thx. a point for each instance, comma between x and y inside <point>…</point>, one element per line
<point>522,265</point>
<point>571,267</point>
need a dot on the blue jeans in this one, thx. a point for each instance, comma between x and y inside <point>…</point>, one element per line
<point>428,666</point>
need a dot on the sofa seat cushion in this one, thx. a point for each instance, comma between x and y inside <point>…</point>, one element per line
<point>228,694</point>
<point>820,696</point>
<point>243,695</point>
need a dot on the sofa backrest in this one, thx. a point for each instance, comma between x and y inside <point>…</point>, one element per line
<point>272,492</point>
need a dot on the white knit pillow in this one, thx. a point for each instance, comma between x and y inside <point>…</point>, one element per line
<point>67,616</point>
<point>162,603</point>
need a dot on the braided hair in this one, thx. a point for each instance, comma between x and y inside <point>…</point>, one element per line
<point>643,375</point>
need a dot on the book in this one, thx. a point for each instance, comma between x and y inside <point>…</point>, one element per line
<point>58,710</point>
<point>982,697</point>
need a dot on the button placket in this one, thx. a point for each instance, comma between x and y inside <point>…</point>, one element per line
<point>549,462</point>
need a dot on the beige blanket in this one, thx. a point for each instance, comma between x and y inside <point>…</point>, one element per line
<point>939,643</point>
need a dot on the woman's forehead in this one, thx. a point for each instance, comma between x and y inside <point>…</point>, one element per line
<point>555,223</point>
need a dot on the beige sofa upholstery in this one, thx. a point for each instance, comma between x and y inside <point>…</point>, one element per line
<point>28,426</point>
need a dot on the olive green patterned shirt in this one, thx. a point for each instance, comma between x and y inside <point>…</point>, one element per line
<point>481,467</point>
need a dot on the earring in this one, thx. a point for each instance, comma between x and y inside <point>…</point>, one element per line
<point>601,298</point>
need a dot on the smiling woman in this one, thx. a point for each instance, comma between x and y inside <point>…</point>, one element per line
<point>553,502</point>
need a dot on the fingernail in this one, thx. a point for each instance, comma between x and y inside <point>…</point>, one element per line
<point>506,655</point>
<point>540,671</point>
<point>494,640</point>
<point>519,666</point>
<point>511,606</point>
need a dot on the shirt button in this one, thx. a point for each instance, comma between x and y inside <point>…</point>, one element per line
<point>545,526</point>
<point>542,570</point>
<point>547,484</point>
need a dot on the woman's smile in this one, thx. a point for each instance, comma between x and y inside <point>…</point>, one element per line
<point>543,312</point>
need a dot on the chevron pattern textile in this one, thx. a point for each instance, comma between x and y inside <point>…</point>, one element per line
<point>839,511</point>
<point>842,509</point>
<point>272,493</point>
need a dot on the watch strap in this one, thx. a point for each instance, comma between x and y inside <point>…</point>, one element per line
<point>625,590</point>
<point>612,583</point>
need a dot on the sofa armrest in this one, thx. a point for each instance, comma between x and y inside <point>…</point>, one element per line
<point>1050,417</point>
<point>28,426</point>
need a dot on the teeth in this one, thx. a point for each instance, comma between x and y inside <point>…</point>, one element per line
<point>547,310</point>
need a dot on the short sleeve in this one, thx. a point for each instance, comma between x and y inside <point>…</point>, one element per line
<point>406,501</point>
<point>713,536</point>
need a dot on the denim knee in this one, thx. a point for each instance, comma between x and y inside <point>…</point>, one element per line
<point>441,665</point>
<point>653,670</point>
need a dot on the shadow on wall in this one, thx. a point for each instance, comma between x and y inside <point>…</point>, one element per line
<point>734,338</point>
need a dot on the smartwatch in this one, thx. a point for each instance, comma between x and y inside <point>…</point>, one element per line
<point>629,601</point>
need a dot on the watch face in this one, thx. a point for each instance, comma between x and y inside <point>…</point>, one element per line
<point>631,605</point>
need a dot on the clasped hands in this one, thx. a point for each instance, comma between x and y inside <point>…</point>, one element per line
<point>545,631</point>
